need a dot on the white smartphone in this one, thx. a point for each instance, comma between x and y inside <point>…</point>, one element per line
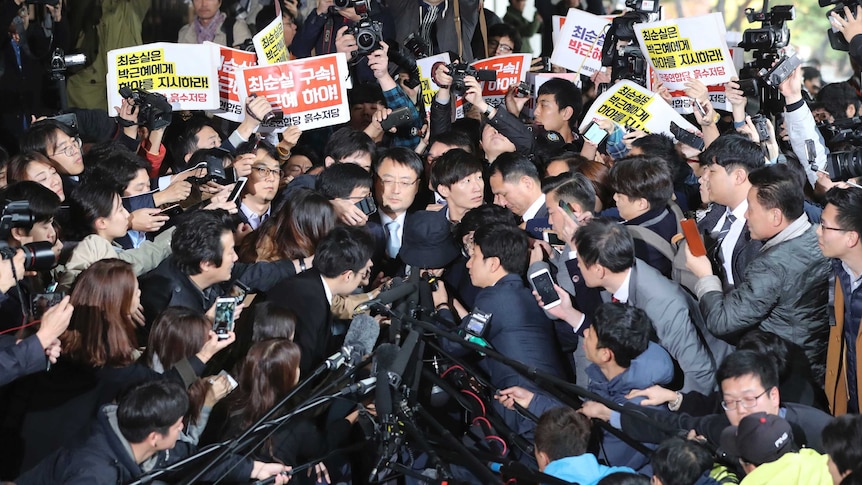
<point>544,286</point>
<point>223,323</point>
<point>237,189</point>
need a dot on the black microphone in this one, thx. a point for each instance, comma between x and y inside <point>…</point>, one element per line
<point>359,341</point>
<point>360,387</point>
<point>386,297</point>
<point>384,361</point>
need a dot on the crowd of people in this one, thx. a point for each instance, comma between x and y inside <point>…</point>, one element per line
<point>166,289</point>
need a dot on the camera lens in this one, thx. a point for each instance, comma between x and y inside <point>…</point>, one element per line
<point>366,40</point>
<point>39,256</point>
<point>844,165</point>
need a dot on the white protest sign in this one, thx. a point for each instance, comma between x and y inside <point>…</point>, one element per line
<point>429,87</point>
<point>686,48</point>
<point>187,74</point>
<point>633,106</point>
<point>311,92</point>
<point>580,43</point>
<point>232,60</point>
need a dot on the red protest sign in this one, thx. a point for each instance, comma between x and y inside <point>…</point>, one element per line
<point>231,61</point>
<point>511,70</point>
<point>311,92</point>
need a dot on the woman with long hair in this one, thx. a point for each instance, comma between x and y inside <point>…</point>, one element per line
<point>294,230</point>
<point>101,335</point>
<point>177,335</point>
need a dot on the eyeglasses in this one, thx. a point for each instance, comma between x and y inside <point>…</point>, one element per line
<point>747,402</point>
<point>264,172</point>
<point>827,228</point>
<point>494,45</point>
<point>389,182</point>
<point>71,149</point>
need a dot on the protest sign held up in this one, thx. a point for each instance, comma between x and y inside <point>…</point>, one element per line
<point>187,74</point>
<point>232,60</point>
<point>310,92</point>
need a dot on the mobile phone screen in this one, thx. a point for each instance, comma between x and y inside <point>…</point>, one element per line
<point>41,302</point>
<point>224,317</point>
<point>595,133</point>
<point>544,286</point>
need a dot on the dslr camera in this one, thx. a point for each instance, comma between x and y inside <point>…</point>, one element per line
<point>38,256</point>
<point>154,111</point>
<point>459,71</point>
<point>368,33</point>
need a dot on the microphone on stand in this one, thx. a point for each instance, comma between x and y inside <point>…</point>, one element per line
<point>359,341</point>
<point>386,297</point>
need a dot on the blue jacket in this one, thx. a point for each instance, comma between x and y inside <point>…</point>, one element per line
<point>653,366</point>
<point>583,469</point>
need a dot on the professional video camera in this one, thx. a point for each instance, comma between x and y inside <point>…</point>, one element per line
<point>844,164</point>
<point>38,256</point>
<point>154,111</point>
<point>368,33</point>
<point>627,61</point>
<point>212,160</point>
<point>761,76</point>
<point>837,39</point>
<point>459,71</point>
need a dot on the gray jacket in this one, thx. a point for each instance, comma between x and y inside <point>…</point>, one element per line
<point>785,292</point>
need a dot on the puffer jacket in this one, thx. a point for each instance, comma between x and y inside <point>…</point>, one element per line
<point>806,467</point>
<point>653,367</point>
<point>785,292</point>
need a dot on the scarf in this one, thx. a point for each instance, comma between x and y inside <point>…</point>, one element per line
<point>209,31</point>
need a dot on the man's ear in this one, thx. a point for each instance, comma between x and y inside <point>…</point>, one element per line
<point>567,113</point>
<point>328,162</point>
<point>443,191</point>
<point>18,233</point>
<point>206,266</point>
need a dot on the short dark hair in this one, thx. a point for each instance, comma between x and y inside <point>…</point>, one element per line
<point>680,462</point>
<point>43,201</point>
<point>339,180</point>
<point>643,177</point>
<point>43,133</point>
<point>506,30</point>
<point>452,166</point>
<point>809,72</point>
<point>842,440</point>
<point>848,202</point>
<point>347,141</point>
<point>663,146</point>
<point>512,166</point>
<point>272,321</point>
<point>778,187</point>
<point>153,406</point>
<point>607,242</point>
<point>622,329</point>
<point>733,151</point>
<point>256,143</point>
<point>401,156</point>
<point>748,362</point>
<point>455,138</point>
<point>345,248</point>
<point>112,164</point>
<point>510,244</point>
<point>835,97</point>
<point>562,432</point>
<point>565,94</point>
<point>482,215</point>
<point>197,239</point>
<point>624,478</point>
<point>187,140</point>
<point>573,188</point>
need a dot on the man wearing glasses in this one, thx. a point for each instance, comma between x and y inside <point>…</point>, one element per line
<point>398,178</point>
<point>838,237</point>
<point>785,287</point>
<point>749,384</point>
<point>256,204</point>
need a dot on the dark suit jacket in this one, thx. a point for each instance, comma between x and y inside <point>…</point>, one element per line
<point>744,250</point>
<point>305,295</point>
<point>519,330</point>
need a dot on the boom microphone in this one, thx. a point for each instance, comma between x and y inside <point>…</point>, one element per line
<point>386,297</point>
<point>384,361</point>
<point>359,341</point>
<point>360,387</point>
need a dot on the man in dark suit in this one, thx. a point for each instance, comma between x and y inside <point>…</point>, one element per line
<point>516,185</point>
<point>341,262</point>
<point>517,328</point>
<point>398,178</point>
<point>728,161</point>
<point>255,204</point>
